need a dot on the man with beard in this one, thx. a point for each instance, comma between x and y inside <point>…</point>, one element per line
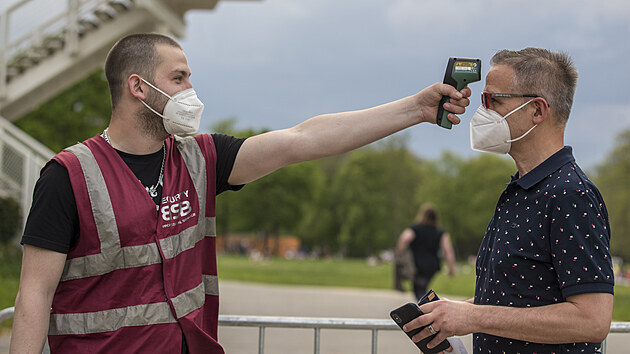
<point>103,271</point>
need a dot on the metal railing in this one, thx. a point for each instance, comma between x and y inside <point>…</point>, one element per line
<point>52,25</point>
<point>21,158</point>
<point>317,324</point>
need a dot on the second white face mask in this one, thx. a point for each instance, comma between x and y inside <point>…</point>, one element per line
<point>490,132</point>
<point>182,112</point>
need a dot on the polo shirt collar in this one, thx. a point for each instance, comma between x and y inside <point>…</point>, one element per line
<point>546,168</point>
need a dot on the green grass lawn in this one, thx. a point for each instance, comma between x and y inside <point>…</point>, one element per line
<point>357,274</point>
<point>354,273</point>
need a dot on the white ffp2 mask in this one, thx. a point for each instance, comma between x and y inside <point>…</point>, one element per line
<point>182,112</point>
<point>490,132</point>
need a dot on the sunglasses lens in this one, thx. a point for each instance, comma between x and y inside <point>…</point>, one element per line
<point>485,99</point>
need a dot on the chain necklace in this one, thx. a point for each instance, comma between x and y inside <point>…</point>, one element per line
<point>152,190</point>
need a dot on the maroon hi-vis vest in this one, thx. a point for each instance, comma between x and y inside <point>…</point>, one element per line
<point>137,279</point>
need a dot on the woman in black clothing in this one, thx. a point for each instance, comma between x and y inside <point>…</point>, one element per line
<point>425,240</point>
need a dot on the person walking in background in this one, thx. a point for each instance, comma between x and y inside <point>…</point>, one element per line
<point>425,240</point>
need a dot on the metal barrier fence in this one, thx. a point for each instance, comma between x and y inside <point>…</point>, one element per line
<point>317,324</point>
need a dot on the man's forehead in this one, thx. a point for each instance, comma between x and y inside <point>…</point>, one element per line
<point>500,76</point>
<point>173,60</point>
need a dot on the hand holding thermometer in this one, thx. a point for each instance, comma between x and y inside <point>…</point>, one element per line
<point>459,73</point>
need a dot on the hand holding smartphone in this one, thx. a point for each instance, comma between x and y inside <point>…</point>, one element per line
<point>410,311</point>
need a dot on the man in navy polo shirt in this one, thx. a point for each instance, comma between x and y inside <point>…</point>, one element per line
<point>544,271</point>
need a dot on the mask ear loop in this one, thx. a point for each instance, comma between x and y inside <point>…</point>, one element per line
<point>151,108</point>
<point>162,92</point>
<point>524,135</point>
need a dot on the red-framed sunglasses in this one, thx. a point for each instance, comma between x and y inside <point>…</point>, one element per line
<point>487,96</point>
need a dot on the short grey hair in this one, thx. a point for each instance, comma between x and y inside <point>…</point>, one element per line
<point>552,75</point>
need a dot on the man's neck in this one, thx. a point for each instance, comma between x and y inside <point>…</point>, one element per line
<point>126,137</point>
<point>529,156</point>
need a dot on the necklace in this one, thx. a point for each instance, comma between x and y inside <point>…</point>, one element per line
<point>152,190</point>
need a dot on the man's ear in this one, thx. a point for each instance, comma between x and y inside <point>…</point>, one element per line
<point>136,87</point>
<point>541,110</point>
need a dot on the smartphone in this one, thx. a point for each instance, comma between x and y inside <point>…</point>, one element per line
<point>408,312</point>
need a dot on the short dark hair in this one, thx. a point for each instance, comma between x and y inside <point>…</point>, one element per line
<point>543,72</point>
<point>133,54</point>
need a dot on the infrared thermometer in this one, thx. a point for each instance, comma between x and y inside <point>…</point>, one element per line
<point>459,73</point>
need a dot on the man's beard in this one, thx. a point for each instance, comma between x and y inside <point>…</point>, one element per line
<point>150,123</point>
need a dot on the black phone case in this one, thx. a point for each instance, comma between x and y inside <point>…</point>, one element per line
<point>408,312</point>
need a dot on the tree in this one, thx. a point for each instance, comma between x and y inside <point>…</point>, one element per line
<point>76,114</point>
<point>612,181</point>
<point>275,203</point>
<point>465,192</point>
<point>373,197</point>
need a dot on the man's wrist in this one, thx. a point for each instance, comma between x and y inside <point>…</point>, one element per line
<point>415,109</point>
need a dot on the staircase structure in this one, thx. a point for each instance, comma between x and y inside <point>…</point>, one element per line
<point>48,45</point>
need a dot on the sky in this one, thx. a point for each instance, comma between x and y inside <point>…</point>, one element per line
<point>275,63</point>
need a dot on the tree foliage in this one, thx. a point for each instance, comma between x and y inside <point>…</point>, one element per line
<point>465,192</point>
<point>10,219</point>
<point>612,181</point>
<point>374,197</point>
<point>274,204</point>
<point>76,114</point>
<point>355,204</point>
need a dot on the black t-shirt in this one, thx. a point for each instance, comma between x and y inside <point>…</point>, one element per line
<point>53,221</point>
<point>425,247</point>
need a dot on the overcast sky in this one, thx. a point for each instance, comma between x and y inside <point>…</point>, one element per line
<point>274,63</point>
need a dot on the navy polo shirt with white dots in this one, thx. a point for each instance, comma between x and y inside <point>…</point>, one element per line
<point>547,240</point>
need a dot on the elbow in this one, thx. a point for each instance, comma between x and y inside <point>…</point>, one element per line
<point>593,316</point>
<point>596,329</point>
<point>599,332</point>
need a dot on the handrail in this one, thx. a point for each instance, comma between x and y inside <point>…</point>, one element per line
<point>7,128</point>
<point>85,7</point>
<point>316,323</point>
<point>307,322</point>
<point>7,314</point>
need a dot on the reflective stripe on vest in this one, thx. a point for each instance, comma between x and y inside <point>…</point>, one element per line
<point>113,256</point>
<point>139,315</point>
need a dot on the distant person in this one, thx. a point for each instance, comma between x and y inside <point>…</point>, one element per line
<point>120,247</point>
<point>545,279</point>
<point>427,242</point>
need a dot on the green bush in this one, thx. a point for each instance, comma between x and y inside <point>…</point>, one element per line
<point>9,219</point>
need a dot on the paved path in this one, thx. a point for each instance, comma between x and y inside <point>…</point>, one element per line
<point>301,301</point>
<point>265,300</point>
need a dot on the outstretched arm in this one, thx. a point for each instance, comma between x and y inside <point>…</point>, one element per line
<point>332,134</point>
